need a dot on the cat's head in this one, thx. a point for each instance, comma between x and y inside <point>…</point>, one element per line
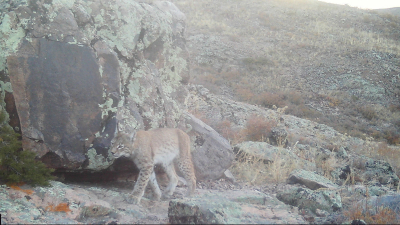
<point>121,145</point>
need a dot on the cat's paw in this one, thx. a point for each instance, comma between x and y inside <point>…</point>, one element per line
<point>133,200</point>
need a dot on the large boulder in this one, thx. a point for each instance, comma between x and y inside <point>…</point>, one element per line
<point>57,97</point>
<point>391,202</point>
<point>73,204</point>
<point>324,199</point>
<point>73,72</point>
<point>310,179</point>
<point>381,171</point>
<point>213,154</point>
<point>231,207</point>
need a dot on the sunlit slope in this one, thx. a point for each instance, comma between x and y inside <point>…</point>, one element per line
<point>335,64</point>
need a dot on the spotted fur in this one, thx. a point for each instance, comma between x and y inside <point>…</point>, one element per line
<point>162,146</point>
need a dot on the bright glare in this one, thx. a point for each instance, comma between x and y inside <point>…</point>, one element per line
<point>367,4</point>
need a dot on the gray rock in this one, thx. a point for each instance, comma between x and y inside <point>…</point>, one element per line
<point>358,222</point>
<point>63,103</point>
<point>377,191</point>
<point>213,154</point>
<point>81,15</point>
<point>303,147</point>
<point>279,136</point>
<point>231,207</point>
<point>342,153</point>
<point>375,203</point>
<point>390,201</point>
<point>229,176</point>
<point>323,159</point>
<point>94,211</point>
<point>105,205</point>
<point>63,221</point>
<point>361,191</point>
<point>341,172</point>
<point>382,171</point>
<point>321,213</point>
<point>328,200</point>
<point>203,211</point>
<point>310,179</point>
<point>178,17</point>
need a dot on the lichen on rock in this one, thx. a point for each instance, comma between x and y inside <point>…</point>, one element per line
<point>73,65</point>
<point>98,162</point>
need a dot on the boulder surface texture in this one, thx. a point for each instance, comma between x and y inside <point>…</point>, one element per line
<point>73,72</point>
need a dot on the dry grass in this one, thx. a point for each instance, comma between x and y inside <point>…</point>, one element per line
<point>328,166</point>
<point>391,155</point>
<point>381,215</point>
<point>280,169</point>
<point>325,163</point>
<point>332,147</point>
<point>330,35</point>
<point>378,151</point>
<point>352,178</point>
<point>258,171</point>
<point>249,168</point>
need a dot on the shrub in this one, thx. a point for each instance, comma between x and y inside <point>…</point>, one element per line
<point>245,94</point>
<point>357,133</point>
<point>332,101</point>
<point>17,165</point>
<point>394,108</point>
<point>294,97</point>
<point>258,128</point>
<point>332,147</point>
<point>225,129</point>
<point>382,215</point>
<point>268,100</point>
<point>213,79</point>
<point>257,61</point>
<point>303,111</point>
<point>392,136</point>
<point>367,112</point>
<point>232,77</point>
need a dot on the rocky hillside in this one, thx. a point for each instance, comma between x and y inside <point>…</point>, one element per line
<point>74,72</point>
<point>395,11</point>
<point>333,64</point>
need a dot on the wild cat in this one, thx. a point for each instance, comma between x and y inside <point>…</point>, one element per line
<point>162,146</point>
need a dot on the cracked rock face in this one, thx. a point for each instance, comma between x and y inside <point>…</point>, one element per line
<point>72,72</point>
